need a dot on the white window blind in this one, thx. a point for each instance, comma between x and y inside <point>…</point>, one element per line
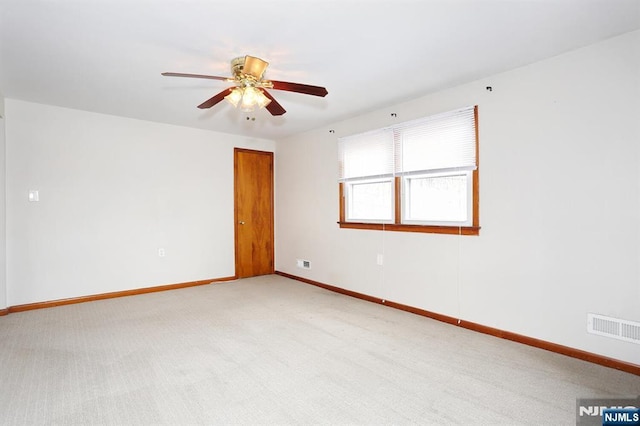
<point>366,155</point>
<point>440,142</point>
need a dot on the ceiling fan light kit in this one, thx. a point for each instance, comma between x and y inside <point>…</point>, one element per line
<point>247,98</point>
<point>250,91</point>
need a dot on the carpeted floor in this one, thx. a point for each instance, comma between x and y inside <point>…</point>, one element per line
<point>269,350</point>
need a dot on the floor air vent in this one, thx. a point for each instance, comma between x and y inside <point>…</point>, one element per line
<point>616,328</point>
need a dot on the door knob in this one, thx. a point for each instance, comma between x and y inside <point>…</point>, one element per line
<point>241,222</point>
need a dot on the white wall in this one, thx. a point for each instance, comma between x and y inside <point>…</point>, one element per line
<point>559,205</point>
<point>3,236</point>
<point>112,192</point>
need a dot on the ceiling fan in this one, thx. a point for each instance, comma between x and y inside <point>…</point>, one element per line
<point>249,90</point>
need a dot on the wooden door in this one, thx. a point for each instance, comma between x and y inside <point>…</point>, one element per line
<point>253,187</point>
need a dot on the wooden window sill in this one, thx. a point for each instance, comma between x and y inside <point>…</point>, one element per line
<point>428,229</point>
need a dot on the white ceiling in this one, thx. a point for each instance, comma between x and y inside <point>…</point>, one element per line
<point>107,56</point>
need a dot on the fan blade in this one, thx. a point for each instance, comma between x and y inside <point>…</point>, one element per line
<point>214,100</point>
<point>254,66</point>
<point>274,107</point>
<point>300,88</point>
<point>179,74</point>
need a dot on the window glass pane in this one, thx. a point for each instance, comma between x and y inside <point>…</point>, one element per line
<point>371,201</point>
<point>436,198</point>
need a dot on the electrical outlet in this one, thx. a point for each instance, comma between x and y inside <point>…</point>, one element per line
<point>380,259</point>
<point>161,252</point>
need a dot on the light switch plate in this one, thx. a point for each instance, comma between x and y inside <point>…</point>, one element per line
<point>34,196</point>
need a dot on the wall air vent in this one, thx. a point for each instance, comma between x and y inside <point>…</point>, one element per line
<point>616,328</point>
<point>304,264</point>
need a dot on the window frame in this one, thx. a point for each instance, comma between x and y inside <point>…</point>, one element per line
<point>398,200</point>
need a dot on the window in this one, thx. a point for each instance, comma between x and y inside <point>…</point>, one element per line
<point>419,176</point>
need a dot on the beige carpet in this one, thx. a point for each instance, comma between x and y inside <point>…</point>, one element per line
<point>269,350</point>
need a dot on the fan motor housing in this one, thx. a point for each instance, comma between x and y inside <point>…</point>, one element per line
<point>237,64</point>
